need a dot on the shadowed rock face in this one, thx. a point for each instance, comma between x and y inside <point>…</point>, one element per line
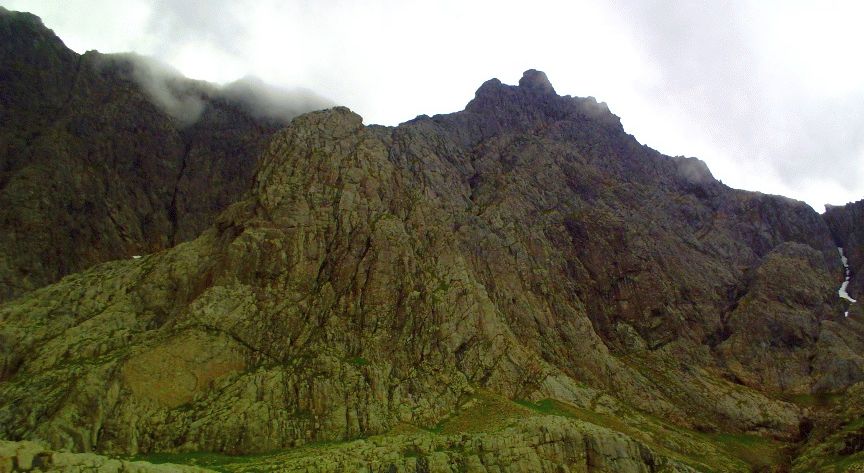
<point>91,169</point>
<point>847,226</point>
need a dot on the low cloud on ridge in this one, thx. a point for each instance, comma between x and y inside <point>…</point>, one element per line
<point>185,99</point>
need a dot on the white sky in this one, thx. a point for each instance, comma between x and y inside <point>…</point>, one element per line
<point>769,93</point>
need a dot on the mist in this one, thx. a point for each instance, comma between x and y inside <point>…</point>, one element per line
<point>166,87</point>
<point>185,99</point>
<point>264,100</point>
<point>693,170</point>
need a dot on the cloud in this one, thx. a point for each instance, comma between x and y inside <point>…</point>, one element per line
<point>268,101</point>
<point>693,170</point>
<point>165,86</point>
<point>741,75</point>
<point>221,23</point>
<point>185,100</point>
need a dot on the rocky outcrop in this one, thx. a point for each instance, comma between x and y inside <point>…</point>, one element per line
<point>31,456</point>
<point>101,158</point>
<point>541,444</point>
<point>783,331</point>
<point>538,445</point>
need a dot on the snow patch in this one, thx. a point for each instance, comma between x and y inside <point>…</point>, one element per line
<point>842,291</point>
<point>843,294</point>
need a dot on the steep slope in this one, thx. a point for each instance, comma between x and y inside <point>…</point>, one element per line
<point>100,158</point>
<point>847,226</point>
<point>378,277</point>
<point>837,440</point>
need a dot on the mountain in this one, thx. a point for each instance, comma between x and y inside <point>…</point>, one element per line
<point>519,286</point>
<point>109,156</point>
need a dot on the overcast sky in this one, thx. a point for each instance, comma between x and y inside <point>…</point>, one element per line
<point>769,93</point>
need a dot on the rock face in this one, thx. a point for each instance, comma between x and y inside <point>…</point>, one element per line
<point>547,445</point>
<point>847,227</point>
<point>375,278</point>
<point>100,158</point>
<point>783,329</point>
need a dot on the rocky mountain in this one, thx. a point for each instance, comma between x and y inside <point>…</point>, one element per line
<point>108,156</point>
<point>519,286</point>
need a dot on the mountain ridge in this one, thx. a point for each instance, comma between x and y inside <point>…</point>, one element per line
<point>518,279</point>
<point>104,157</point>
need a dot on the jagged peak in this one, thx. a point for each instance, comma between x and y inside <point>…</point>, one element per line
<point>491,87</point>
<point>535,98</point>
<point>532,81</point>
<point>536,81</point>
<point>339,117</point>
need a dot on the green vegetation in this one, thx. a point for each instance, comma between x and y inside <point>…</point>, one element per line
<point>843,464</point>
<point>411,452</point>
<point>545,406</point>
<point>759,452</point>
<point>213,461</point>
<point>483,411</point>
<point>817,400</point>
<point>697,449</point>
<point>359,361</point>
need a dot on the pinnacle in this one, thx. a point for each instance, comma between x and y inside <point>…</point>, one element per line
<point>536,81</point>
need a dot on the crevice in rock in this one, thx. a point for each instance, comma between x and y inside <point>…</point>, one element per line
<point>172,207</point>
<point>847,278</point>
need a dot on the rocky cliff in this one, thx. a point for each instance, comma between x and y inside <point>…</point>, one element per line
<point>519,286</point>
<point>847,226</point>
<point>107,156</point>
